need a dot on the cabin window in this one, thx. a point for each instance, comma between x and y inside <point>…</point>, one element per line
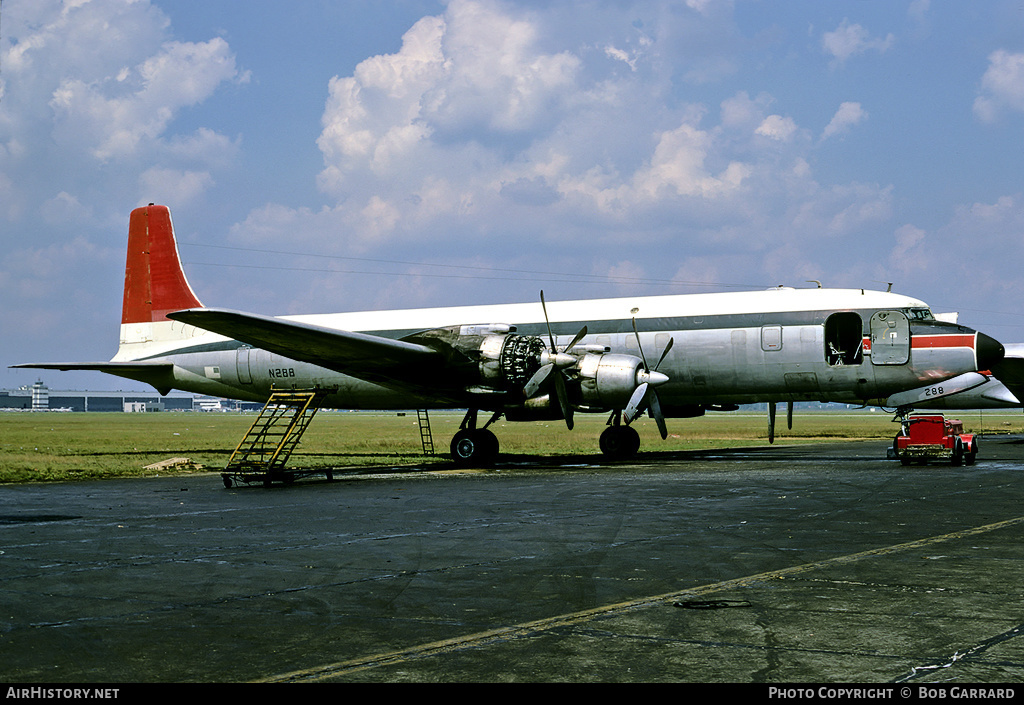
<point>844,339</point>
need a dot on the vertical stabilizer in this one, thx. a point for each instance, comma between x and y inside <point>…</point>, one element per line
<point>154,282</point>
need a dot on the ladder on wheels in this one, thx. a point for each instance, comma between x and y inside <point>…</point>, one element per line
<point>263,451</point>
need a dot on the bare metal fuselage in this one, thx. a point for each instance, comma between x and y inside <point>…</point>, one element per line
<point>774,345</point>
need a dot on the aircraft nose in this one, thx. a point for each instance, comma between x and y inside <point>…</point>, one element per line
<point>989,351</point>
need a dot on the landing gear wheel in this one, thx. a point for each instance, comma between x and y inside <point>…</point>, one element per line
<point>619,442</point>
<point>474,446</point>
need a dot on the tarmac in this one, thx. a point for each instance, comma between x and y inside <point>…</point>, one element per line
<point>823,563</point>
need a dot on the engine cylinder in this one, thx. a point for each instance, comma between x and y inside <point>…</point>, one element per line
<point>508,361</point>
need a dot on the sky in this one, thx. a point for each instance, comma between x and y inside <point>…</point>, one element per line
<point>325,156</point>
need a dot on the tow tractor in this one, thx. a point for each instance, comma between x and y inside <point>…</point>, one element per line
<point>926,437</point>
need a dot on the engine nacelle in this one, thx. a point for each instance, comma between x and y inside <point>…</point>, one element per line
<point>609,380</point>
<point>494,357</point>
<point>486,357</point>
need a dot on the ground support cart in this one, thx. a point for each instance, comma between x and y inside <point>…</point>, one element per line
<point>927,437</point>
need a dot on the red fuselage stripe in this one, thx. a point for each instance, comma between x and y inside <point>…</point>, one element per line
<point>927,342</point>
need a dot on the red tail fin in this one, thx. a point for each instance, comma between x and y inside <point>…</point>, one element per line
<point>154,283</point>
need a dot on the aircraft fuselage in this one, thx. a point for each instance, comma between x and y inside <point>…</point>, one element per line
<point>774,351</point>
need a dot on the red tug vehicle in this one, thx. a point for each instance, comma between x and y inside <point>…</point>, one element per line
<point>926,437</point>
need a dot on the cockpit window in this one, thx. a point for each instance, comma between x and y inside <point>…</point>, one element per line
<point>920,314</point>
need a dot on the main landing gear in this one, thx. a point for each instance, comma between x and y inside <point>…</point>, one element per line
<point>618,441</point>
<point>474,446</point>
<point>478,447</point>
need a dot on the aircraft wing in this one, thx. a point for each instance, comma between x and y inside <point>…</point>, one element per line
<point>158,374</point>
<point>368,357</point>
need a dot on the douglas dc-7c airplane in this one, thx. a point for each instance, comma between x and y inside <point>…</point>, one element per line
<point>710,352</point>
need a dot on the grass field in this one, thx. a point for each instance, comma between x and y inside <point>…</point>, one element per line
<point>65,446</point>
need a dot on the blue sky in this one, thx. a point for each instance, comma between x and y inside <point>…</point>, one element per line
<point>335,156</point>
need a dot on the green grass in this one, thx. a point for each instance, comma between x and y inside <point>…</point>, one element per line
<point>67,446</point>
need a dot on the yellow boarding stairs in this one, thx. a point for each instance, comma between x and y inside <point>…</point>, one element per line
<point>263,452</point>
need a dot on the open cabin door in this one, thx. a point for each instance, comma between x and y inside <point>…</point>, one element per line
<point>890,338</point>
<point>844,339</point>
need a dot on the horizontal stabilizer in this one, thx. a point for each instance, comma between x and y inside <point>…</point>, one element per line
<point>158,374</point>
<point>361,355</point>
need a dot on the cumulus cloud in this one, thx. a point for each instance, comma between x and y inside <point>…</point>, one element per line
<point>849,40</point>
<point>176,186</point>
<point>480,129</point>
<point>910,253</point>
<point>848,115</point>
<point>474,74</point>
<point>111,117</point>
<point>485,131</point>
<point>475,110</point>
<point>1002,86</point>
<point>102,82</point>
<point>777,127</point>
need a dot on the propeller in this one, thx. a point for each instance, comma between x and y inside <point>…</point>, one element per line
<point>551,360</point>
<point>644,396</point>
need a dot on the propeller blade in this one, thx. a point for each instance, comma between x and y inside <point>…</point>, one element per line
<point>639,346</point>
<point>546,321</point>
<point>664,354</point>
<point>634,407</point>
<point>563,400</point>
<point>578,338</point>
<point>654,409</point>
<point>559,360</point>
<point>531,387</point>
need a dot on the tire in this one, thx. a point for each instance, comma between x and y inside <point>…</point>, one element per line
<point>618,442</point>
<point>474,447</point>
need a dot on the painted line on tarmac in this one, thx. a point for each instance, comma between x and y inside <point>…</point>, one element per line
<point>517,631</point>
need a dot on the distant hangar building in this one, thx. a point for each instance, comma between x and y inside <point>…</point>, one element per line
<point>39,397</point>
